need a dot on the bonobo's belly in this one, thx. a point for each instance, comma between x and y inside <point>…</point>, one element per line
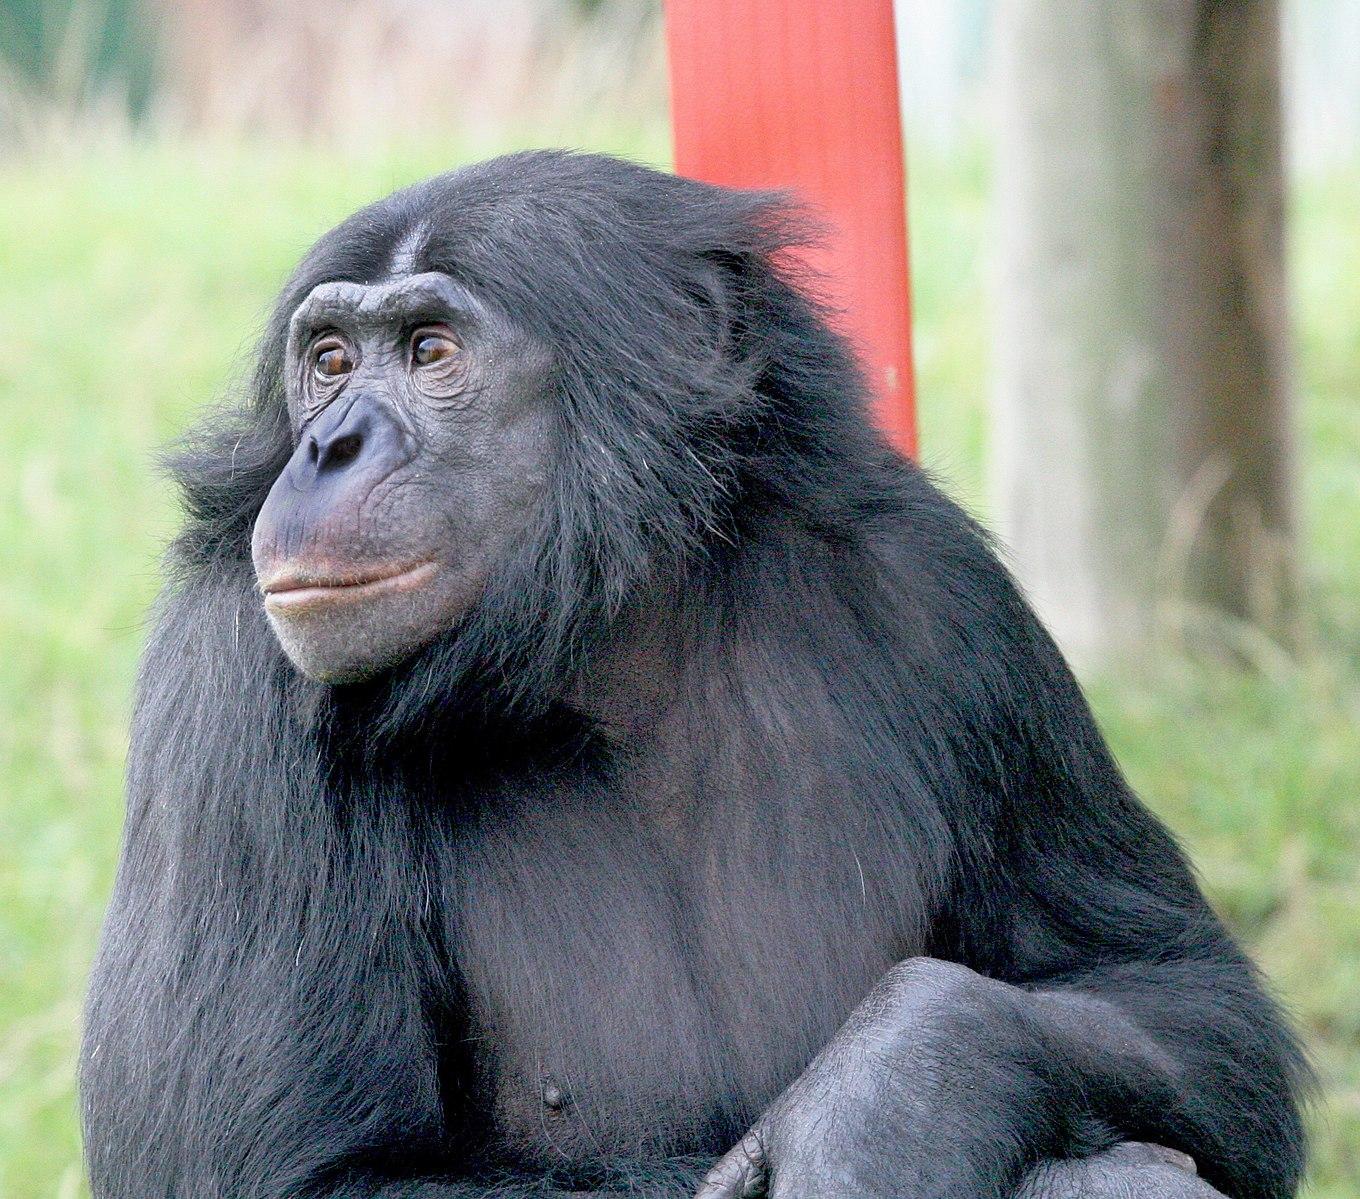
<point>617,1010</point>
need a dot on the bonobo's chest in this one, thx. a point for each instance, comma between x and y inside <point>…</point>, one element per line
<point>634,990</point>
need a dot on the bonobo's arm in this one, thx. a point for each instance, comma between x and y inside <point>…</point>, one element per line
<point>944,1083</point>
<point>1098,999</point>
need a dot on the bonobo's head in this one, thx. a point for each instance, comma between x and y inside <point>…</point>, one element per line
<point>495,409</point>
<point>422,433</point>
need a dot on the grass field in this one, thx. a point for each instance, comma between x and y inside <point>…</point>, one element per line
<point>132,282</point>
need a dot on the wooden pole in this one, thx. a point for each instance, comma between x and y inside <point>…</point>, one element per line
<point>1142,448</point>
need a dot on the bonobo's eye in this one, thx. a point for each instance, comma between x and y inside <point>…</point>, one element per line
<point>432,345</point>
<point>331,358</point>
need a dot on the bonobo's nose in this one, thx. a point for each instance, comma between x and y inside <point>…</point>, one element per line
<point>312,515</point>
<point>358,436</point>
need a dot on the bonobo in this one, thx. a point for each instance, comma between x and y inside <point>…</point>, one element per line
<point>575,753</point>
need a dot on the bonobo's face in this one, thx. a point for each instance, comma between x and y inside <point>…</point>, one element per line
<point>422,428</point>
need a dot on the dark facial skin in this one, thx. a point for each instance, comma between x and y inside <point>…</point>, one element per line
<point>423,431</point>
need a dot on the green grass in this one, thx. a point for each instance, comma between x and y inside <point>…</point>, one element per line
<point>131,285</point>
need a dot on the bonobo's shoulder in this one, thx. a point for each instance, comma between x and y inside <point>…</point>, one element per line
<point>907,563</point>
<point>902,522</point>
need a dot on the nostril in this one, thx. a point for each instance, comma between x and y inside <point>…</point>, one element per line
<point>344,449</point>
<point>336,442</point>
<point>336,453</point>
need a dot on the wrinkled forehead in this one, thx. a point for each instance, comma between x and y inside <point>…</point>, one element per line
<point>366,306</point>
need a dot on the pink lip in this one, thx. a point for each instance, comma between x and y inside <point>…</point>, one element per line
<point>295,589</point>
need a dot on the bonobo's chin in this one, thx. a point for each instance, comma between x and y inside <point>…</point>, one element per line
<point>350,629</point>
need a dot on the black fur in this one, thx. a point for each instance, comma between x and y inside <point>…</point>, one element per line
<point>752,715</point>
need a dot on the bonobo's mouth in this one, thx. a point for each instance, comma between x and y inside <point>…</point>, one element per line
<point>297,589</point>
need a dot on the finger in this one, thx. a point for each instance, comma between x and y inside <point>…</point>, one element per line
<point>741,1172</point>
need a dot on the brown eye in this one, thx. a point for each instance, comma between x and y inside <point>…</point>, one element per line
<point>330,360</point>
<point>429,346</point>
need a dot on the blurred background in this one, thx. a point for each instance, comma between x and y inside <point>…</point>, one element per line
<point>1135,235</point>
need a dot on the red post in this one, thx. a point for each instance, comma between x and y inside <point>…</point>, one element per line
<point>802,95</point>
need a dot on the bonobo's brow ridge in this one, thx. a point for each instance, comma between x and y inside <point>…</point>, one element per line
<point>392,302</point>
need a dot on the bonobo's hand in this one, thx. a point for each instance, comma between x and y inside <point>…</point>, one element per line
<point>903,1101</point>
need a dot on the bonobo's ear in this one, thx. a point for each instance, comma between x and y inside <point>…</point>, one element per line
<point>753,282</point>
<point>750,302</point>
<point>719,286</point>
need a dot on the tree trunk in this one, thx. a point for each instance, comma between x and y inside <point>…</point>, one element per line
<point>1142,456</point>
